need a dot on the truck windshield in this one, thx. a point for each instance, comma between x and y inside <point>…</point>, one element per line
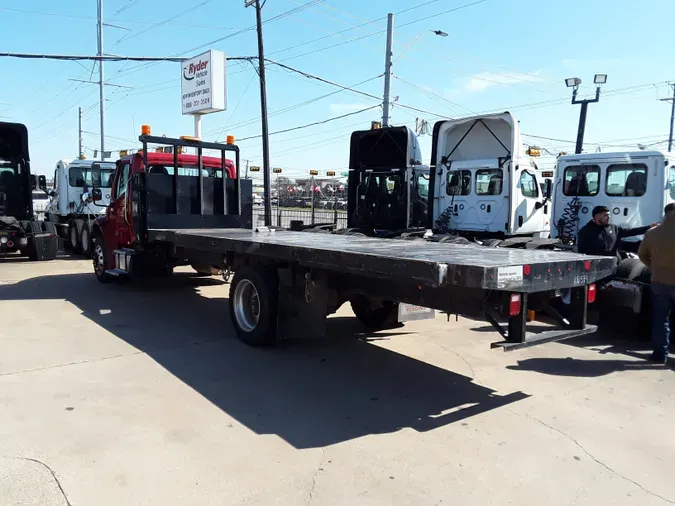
<point>81,176</point>
<point>581,180</point>
<point>423,186</point>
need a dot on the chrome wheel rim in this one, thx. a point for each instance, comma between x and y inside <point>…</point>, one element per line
<point>99,258</point>
<point>246,305</point>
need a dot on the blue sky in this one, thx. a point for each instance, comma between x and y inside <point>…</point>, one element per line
<point>498,55</point>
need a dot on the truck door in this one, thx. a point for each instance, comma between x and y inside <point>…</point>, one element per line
<point>119,230</point>
<point>577,191</point>
<point>530,213</point>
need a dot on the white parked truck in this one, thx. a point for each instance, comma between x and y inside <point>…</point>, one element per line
<point>483,183</point>
<point>70,207</point>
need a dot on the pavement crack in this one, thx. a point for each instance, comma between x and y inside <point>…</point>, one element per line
<point>102,359</point>
<point>319,468</point>
<point>458,355</point>
<point>595,459</point>
<point>56,478</point>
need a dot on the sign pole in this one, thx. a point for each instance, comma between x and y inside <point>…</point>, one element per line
<point>198,125</point>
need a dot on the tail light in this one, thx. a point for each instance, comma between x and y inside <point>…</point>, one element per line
<point>527,270</point>
<point>592,292</point>
<point>10,244</point>
<point>587,265</point>
<point>514,304</point>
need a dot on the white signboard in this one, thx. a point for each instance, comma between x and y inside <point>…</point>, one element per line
<point>509,275</point>
<point>203,83</point>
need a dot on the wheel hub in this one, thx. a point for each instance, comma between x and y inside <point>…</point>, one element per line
<point>246,305</point>
<point>98,259</point>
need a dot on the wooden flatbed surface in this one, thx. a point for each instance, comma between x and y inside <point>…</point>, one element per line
<point>435,264</point>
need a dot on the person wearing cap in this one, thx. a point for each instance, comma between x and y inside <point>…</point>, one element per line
<point>657,251</point>
<point>600,237</point>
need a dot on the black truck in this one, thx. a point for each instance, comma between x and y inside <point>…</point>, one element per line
<point>285,283</point>
<point>19,230</point>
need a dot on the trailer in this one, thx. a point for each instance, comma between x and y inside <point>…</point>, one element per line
<point>20,231</point>
<point>283,284</point>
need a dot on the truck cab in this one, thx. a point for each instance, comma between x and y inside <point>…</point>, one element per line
<point>483,183</point>
<point>634,185</point>
<point>388,185</point>
<point>161,189</point>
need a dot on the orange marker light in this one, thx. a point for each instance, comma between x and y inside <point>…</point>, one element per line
<point>230,139</point>
<point>145,130</point>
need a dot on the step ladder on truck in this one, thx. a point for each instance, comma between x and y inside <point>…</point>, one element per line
<point>284,283</point>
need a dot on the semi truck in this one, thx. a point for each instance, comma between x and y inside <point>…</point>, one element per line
<point>635,186</point>
<point>71,214</point>
<point>284,284</point>
<point>20,231</point>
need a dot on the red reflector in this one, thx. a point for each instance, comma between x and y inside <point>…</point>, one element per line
<point>526,270</point>
<point>587,265</point>
<point>514,304</point>
<point>592,292</point>
<point>10,244</point>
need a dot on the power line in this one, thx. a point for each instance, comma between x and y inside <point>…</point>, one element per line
<point>322,122</point>
<point>66,57</point>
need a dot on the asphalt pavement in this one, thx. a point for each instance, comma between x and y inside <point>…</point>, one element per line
<point>140,394</point>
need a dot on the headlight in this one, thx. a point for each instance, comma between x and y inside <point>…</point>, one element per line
<point>3,240</point>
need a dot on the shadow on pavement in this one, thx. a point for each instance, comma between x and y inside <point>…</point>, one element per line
<point>311,393</point>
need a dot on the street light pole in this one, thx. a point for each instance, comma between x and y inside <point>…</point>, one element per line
<point>582,116</point>
<point>101,96</point>
<point>672,117</point>
<point>386,102</point>
<point>574,82</point>
<point>263,109</point>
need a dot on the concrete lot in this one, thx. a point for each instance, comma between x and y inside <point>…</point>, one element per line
<point>141,395</point>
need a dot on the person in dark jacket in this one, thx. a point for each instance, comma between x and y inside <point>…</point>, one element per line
<point>600,237</point>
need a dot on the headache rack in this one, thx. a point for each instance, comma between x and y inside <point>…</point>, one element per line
<point>163,200</point>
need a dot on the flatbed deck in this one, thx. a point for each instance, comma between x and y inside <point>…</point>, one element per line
<point>429,263</point>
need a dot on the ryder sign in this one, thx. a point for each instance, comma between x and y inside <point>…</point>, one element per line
<point>203,83</point>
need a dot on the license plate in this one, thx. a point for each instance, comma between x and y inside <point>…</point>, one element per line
<point>410,312</point>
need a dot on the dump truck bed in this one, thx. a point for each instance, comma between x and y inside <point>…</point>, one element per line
<point>428,263</point>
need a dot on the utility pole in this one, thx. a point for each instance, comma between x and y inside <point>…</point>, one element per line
<point>386,103</point>
<point>672,117</point>
<point>79,132</point>
<point>263,109</point>
<point>100,78</point>
<point>582,116</point>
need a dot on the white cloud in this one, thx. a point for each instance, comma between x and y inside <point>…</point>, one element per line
<point>485,80</point>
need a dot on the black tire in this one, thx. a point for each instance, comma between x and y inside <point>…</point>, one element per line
<point>33,228</point>
<point>100,260</point>
<point>633,269</point>
<point>375,317</point>
<point>254,312</point>
<point>492,243</point>
<point>74,232</point>
<point>85,240</point>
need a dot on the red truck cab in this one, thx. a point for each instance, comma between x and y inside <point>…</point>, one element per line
<point>119,227</point>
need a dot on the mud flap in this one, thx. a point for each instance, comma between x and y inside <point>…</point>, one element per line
<point>303,306</point>
<point>411,312</point>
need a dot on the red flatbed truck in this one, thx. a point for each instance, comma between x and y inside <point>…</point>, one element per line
<point>286,283</point>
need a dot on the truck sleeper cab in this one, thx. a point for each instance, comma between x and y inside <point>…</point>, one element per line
<point>482,183</point>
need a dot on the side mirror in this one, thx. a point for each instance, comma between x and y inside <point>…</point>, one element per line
<point>42,183</point>
<point>33,182</point>
<point>96,195</point>
<point>548,189</point>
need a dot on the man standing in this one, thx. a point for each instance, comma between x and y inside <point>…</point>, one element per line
<point>657,252</point>
<point>599,237</point>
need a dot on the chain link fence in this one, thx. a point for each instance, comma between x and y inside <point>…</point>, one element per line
<point>282,216</point>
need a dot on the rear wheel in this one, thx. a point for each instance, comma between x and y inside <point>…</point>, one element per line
<point>373,315</point>
<point>33,228</point>
<point>254,293</point>
<point>100,259</point>
<point>85,240</point>
<point>74,231</point>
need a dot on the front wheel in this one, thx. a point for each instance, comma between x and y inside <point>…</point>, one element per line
<point>100,260</point>
<point>254,293</point>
